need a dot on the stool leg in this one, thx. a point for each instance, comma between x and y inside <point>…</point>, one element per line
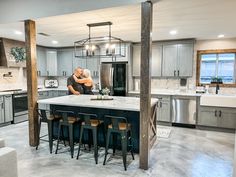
<point>131,144</point>
<point>107,145</point>
<point>71,139</point>
<point>124,147</point>
<point>95,144</point>
<point>39,133</point>
<point>90,138</point>
<point>58,137</point>
<point>50,132</point>
<point>80,140</point>
<point>63,136</point>
<point>114,141</point>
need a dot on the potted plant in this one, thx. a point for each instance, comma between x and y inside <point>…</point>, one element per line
<point>216,80</point>
<point>105,92</point>
<point>18,53</point>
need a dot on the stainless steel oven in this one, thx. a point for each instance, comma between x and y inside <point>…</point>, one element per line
<point>20,107</point>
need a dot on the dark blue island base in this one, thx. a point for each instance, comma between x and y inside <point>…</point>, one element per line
<point>132,118</point>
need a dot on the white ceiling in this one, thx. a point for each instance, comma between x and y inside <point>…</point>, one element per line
<point>201,19</point>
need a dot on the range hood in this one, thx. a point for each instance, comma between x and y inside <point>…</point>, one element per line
<point>6,59</point>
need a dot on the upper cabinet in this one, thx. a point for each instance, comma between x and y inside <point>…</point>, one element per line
<point>65,62</point>
<point>156,61</point>
<point>51,62</point>
<point>41,61</point>
<point>177,59</point>
<point>169,59</point>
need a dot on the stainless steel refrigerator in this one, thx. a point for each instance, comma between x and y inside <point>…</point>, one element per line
<point>114,77</point>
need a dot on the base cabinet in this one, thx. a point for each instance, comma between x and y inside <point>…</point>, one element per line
<point>217,117</point>
<point>2,110</point>
<point>8,110</point>
<point>163,109</point>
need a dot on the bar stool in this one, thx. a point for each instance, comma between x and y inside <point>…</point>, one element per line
<point>68,120</point>
<point>43,118</point>
<point>90,122</point>
<point>120,126</point>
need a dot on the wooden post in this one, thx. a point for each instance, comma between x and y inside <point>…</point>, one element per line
<point>32,84</point>
<point>145,86</point>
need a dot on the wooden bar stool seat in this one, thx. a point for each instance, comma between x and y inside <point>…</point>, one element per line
<point>122,126</point>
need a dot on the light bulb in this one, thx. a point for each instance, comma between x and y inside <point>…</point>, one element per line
<point>113,46</point>
<point>107,46</point>
<point>87,47</point>
<point>93,47</point>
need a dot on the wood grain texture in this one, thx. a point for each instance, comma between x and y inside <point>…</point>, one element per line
<point>145,83</point>
<point>32,85</point>
<point>199,53</point>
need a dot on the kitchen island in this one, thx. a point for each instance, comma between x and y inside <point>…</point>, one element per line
<point>120,106</point>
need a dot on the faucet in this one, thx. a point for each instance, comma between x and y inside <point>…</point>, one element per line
<point>217,88</point>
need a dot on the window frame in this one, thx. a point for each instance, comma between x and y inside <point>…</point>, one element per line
<point>198,70</point>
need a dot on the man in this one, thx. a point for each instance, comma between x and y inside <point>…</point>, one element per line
<point>74,87</point>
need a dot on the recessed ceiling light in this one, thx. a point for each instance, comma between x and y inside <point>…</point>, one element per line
<point>173,32</point>
<point>221,35</point>
<point>18,32</point>
<point>55,42</point>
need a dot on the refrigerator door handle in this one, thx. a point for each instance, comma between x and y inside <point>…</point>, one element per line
<point>111,76</point>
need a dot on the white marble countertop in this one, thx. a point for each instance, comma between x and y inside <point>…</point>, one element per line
<point>228,101</point>
<point>169,92</point>
<point>5,93</point>
<point>119,103</point>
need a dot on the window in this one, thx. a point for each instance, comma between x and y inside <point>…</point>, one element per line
<point>216,64</point>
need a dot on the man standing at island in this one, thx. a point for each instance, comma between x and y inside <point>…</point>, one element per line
<point>74,87</point>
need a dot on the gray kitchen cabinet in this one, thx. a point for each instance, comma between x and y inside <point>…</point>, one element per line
<point>170,53</point>
<point>8,111</point>
<point>64,62</point>
<point>93,65</point>
<point>53,93</point>
<point>217,117</point>
<point>156,61</point>
<point>1,110</point>
<point>41,61</point>
<point>177,59</point>
<point>79,62</point>
<point>43,95</point>
<point>207,116</point>
<point>62,93</point>
<point>163,109</point>
<point>51,62</point>
<point>185,60</point>
<point>136,60</point>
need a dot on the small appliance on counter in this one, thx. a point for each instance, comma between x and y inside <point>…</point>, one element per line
<point>200,89</point>
<point>51,83</point>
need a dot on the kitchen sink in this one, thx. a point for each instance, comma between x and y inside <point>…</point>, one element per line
<point>218,100</point>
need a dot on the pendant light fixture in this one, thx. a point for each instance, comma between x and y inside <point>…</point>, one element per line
<point>105,46</point>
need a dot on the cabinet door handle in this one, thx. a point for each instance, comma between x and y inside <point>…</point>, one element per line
<point>215,113</point>
<point>65,73</point>
<point>161,104</point>
<point>178,72</point>
<point>220,113</point>
<point>157,104</point>
<point>174,73</point>
<point>47,73</point>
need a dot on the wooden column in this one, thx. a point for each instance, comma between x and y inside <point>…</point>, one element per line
<point>32,84</point>
<point>145,83</point>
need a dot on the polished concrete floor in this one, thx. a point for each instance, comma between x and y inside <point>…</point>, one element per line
<point>186,153</point>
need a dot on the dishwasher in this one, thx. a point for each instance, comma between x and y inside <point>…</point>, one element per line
<point>184,110</point>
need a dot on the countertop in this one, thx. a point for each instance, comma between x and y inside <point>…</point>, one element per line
<point>119,103</point>
<point>169,92</point>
